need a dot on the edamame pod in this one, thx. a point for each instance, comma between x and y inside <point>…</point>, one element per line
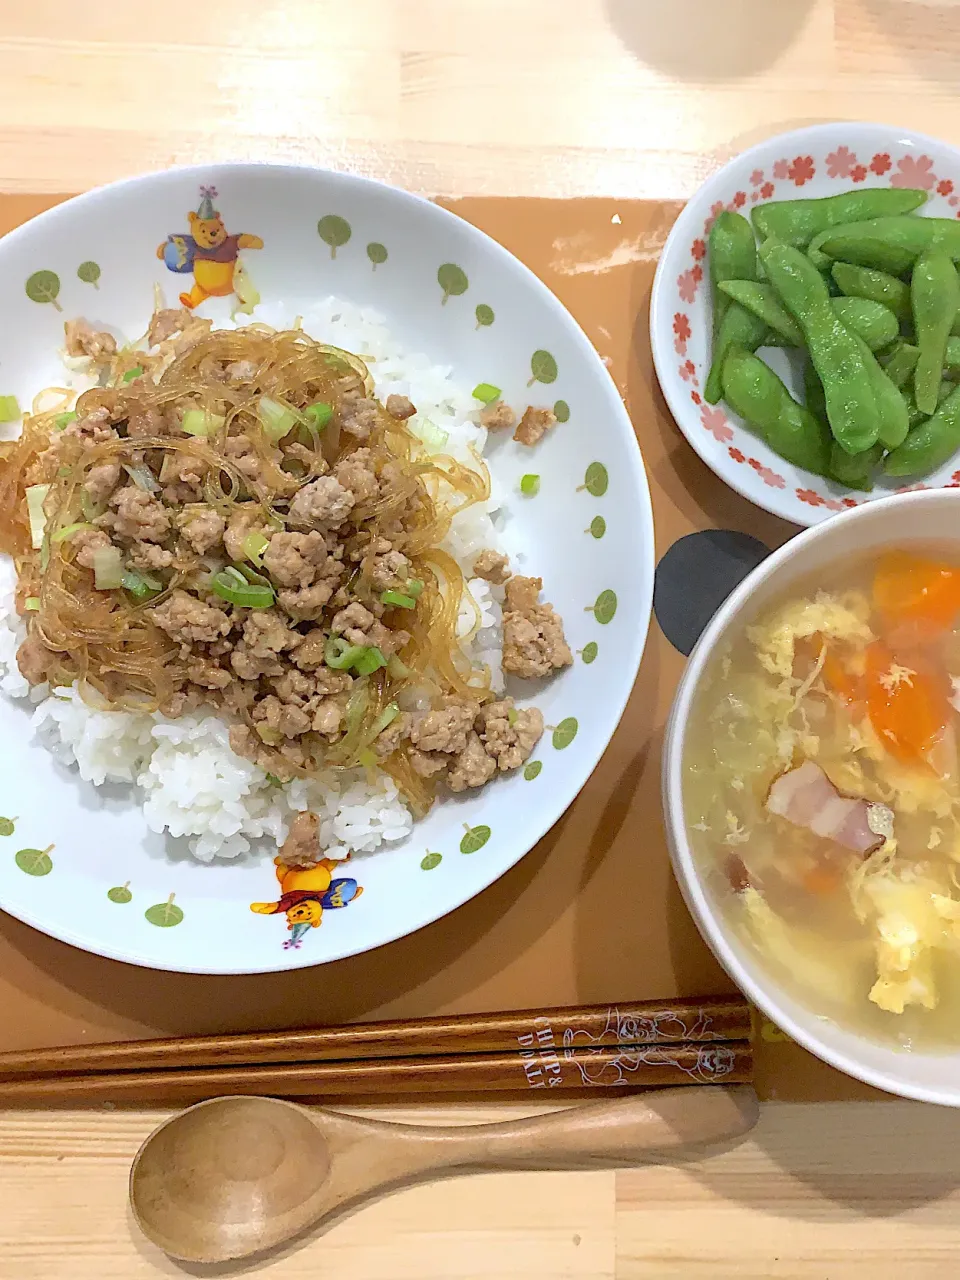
<point>900,362</point>
<point>836,352</point>
<point>855,470</point>
<point>863,282</point>
<point>930,443</point>
<point>872,321</point>
<point>814,397</point>
<point>935,299</point>
<point>886,244</point>
<point>891,406</point>
<point>754,391</point>
<point>740,328</point>
<point>796,222</point>
<point>732,255</point>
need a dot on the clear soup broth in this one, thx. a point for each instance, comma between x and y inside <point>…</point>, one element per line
<point>822,792</point>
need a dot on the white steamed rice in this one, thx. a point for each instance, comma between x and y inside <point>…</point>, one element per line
<point>193,786</point>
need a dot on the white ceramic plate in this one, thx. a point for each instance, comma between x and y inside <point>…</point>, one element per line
<point>456,295</point>
<point>822,160</point>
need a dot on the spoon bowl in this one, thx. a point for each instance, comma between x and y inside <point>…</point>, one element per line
<point>236,1176</point>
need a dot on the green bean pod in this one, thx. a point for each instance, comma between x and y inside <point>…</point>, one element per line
<point>796,222</point>
<point>851,404</point>
<point>855,470</point>
<point>900,362</point>
<point>872,321</point>
<point>732,255</point>
<point>754,391</point>
<point>935,298</point>
<point>930,444</point>
<point>739,328</point>
<point>877,286</point>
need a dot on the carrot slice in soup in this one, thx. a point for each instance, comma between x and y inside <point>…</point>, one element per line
<point>907,708</point>
<point>910,589</point>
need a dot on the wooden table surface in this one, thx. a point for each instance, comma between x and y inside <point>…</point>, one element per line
<point>553,97</point>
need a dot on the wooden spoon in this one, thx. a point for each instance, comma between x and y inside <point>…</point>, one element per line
<point>234,1176</point>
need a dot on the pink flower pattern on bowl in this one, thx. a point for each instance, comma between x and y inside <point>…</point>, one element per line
<point>840,165</point>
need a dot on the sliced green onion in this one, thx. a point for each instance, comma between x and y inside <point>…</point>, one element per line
<point>68,531</point>
<point>277,419</point>
<point>370,660</point>
<point>486,392</point>
<point>431,435</point>
<point>140,585</point>
<point>386,717</point>
<point>274,780</point>
<point>198,422</point>
<point>32,603</point>
<point>64,419</point>
<point>340,654</point>
<point>44,554</point>
<point>107,568</point>
<point>231,586</point>
<point>512,716</point>
<point>319,413</point>
<point>272,737</point>
<point>143,478</point>
<point>530,485</point>
<point>399,670</point>
<point>9,409</point>
<point>63,472</point>
<point>397,598</point>
<point>251,575</point>
<point>413,587</point>
<point>254,545</point>
<point>133,373</point>
<point>90,508</point>
<point>36,495</point>
<point>367,758</point>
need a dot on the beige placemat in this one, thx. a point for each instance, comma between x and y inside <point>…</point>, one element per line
<point>592,914</point>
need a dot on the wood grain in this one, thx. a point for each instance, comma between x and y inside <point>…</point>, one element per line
<point>545,97</point>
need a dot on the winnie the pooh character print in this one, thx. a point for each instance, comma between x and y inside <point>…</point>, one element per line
<point>208,252</point>
<point>305,893</point>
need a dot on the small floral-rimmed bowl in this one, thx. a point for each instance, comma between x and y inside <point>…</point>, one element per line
<point>822,160</point>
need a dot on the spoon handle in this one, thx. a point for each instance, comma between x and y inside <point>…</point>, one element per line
<point>595,1135</point>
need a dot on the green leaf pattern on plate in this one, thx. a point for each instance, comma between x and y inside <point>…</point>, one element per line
<point>7,826</point>
<point>165,914</point>
<point>475,838</point>
<point>44,286</point>
<point>604,607</point>
<point>377,253</point>
<point>89,273</point>
<point>561,411</point>
<point>564,733</point>
<point>596,479</point>
<point>532,770</point>
<point>121,893</point>
<point>589,652</point>
<point>452,280</point>
<point>35,862</point>
<point>543,367</point>
<point>430,861</point>
<point>334,231</point>
<point>485,315</point>
<point>598,527</point>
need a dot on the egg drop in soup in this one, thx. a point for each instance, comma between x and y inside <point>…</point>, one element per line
<point>822,792</point>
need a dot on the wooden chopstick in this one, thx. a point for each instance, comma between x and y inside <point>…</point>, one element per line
<point>663,1022</point>
<point>592,1070</point>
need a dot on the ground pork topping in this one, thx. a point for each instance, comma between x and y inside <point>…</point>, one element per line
<point>188,620</point>
<point>400,407</point>
<point>533,425</point>
<point>533,639</point>
<point>322,504</point>
<point>83,340</point>
<point>202,527</point>
<point>358,415</point>
<point>295,559</point>
<point>497,416</point>
<point>138,515</point>
<point>492,566</point>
